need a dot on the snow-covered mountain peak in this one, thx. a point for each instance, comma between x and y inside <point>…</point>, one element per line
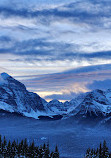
<point>98,91</point>
<point>55,101</point>
<point>14,97</point>
<point>95,103</point>
<point>4,76</point>
<point>9,82</point>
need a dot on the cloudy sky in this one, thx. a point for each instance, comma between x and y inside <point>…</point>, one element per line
<point>57,48</point>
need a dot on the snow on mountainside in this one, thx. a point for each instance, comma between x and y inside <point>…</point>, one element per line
<point>75,102</point>
<point>64,108</point>
<point>95,103</point>
<point>56,107</point>
<point>15,98</point>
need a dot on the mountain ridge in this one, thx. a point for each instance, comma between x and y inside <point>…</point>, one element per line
<point>14,97</point>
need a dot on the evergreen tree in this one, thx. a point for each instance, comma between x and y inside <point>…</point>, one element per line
<point>31,149</point>
<point>25,147</point>
<point>105,150</point>
<point>0,144</point>
<point>9,148</point>
<point>41,152</point>
<point>97,152</point>
<point>56,153</point>
<point>4,146</point>
<point>4,142</point>
<point>88,153</point>
<point>47,151</point>
<point>13,148</point>
<point>100,151</point>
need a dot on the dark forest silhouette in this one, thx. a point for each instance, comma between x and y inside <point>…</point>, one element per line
<point>15,149</point>
<point>101,152</point>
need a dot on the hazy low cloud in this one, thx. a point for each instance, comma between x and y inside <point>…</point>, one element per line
<point>64,96</point>
<point>103,85</point>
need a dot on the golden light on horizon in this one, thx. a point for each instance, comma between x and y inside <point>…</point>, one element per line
<point>75,88</point>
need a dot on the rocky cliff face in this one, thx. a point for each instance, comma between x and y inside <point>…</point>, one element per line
<point>95,104</point>
<point>15,98</point>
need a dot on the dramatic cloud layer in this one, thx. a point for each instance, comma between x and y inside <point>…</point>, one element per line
<point>57,48</point>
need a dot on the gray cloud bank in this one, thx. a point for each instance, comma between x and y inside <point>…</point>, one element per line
<point>56,36</point>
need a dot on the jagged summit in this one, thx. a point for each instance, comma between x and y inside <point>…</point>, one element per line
<point>55,101</point>
<point>9,81</point>
<point>14,97</point>
<point>95,104</point>
<point>5,76</point>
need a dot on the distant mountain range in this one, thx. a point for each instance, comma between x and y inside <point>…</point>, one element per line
<point>15,98</point>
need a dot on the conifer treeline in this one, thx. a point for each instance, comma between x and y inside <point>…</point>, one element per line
<point>22,149</point>
<point>101,152</point>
